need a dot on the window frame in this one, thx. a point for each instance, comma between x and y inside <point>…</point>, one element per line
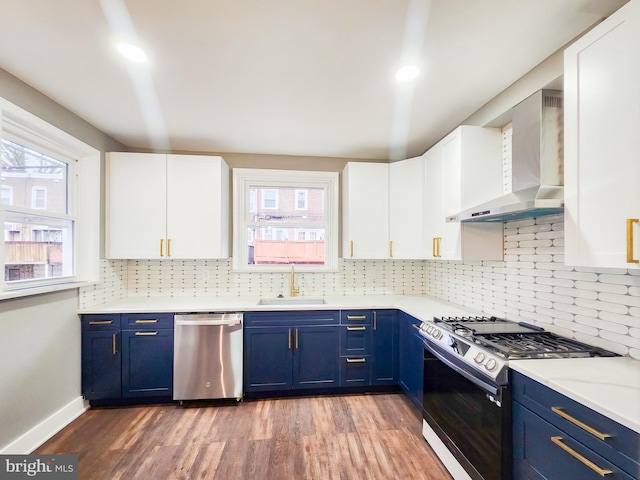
<point>244,178</point>
<point>83,197</point>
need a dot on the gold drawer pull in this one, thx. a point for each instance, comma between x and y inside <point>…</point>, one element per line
<point>584,426</point>
<point>289,336</point>
<point>356,317</point>
<point>391,248</point>
<point>356,360</point>
<point>360,329</point>
<point>600,471</point>
<point>161,247</point>
<point>351,248</point>
<point>146,334</point>
<point>146,321</point>
<point>115,348</point>
<point>630,222</point>
<point>101,322</point>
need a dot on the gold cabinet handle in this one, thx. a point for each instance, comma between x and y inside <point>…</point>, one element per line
<point>359,329</point>
<point>161,247</point>
<point>168,247</point>
<point>630,222</point>
<point>375,321</point>
<point>435,246</point>
<point>146,321</point>
<point>146,334</point>
<point>351,248</point>
<point>289,339</point>
<point>356,317</point>
<point>356,360</point>
<point>101,322</point>
<point>578,423</point>
<point>600,471</point>
<point>115,348</point>
<point>296,338</point>
<point>391,248</point>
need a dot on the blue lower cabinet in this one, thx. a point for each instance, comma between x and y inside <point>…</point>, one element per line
<point>268,356</point>
<point>384,368</point>
<point>411,359</point>
<point>101,357</point>
<point>291,350</point>
<point>147,363</point>
<point>555,437</point>
<point>118,362</point>
<point>315,357</point>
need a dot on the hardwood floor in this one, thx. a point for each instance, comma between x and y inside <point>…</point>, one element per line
<point>326,437</point>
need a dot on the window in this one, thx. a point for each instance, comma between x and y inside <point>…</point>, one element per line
<point>301,200</point>
<point>50,204</point>
<point>269,197</point>
<point>295,224</point>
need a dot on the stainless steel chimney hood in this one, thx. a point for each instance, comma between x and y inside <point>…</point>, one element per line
<point>537,164</point>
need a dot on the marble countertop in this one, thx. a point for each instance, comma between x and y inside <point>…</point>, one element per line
<point>610,386</point>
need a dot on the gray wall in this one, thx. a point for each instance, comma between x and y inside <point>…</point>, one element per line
<point>40,335</point>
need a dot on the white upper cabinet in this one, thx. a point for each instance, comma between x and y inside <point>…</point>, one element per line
<point>462,170</point>
<point>365,211</point>
<point>407,209</point>
<point>602,143</point>
<point>167,206</point>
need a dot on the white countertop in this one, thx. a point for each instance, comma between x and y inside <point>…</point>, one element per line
<point>608,385</point>
<point>421,307</point>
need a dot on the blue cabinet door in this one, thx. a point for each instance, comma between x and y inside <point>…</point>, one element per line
<point>411,359</point>
<point>315,359</point>
<point>147,363</point>
<point>101,370</point>
<point>268,356</point>
<point>385,348</point>
<point>101,357</point>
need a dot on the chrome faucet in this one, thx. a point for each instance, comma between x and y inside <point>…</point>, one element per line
<point>294,291</point>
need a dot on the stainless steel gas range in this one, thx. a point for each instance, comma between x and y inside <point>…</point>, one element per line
<point>467,399</point>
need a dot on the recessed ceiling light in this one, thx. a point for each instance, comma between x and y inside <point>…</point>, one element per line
<point>407,73</point>
<point>132,52</point>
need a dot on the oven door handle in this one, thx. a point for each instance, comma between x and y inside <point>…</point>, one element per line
<point>487,387</point>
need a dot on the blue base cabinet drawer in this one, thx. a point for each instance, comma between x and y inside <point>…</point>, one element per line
<point>355,371</point>
<point>549,427</point>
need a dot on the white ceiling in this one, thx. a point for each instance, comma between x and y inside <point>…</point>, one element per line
<point>287,77</point>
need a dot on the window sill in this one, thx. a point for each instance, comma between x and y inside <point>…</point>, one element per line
<point>39,290</point>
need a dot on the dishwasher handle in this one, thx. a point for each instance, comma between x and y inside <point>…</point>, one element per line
<point>208,320</point>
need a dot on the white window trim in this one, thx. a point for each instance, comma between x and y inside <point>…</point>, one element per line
<point>16,123</point>
<point>9,189</point>
<point>243,178</point>
<point>263,198</point>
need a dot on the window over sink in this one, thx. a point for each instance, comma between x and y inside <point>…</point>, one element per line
<point>283,218</point>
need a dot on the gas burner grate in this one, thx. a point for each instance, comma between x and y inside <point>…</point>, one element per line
<point>538,345</point>
<point>471,319</point>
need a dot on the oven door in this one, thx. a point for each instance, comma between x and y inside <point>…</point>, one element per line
<point>470,415</point>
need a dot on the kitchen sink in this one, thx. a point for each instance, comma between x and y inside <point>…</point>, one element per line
<point>292,301</point>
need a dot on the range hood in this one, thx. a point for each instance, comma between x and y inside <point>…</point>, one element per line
<point>537,164</point>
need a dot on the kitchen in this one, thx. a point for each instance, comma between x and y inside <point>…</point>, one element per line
<point>585,303</point>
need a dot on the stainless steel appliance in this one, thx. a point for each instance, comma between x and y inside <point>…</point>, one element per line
<point>467,398</point>
<point>207,360</point>
<point>537,164</point>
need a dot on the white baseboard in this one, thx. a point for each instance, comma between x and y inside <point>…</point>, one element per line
<point>46,429</point>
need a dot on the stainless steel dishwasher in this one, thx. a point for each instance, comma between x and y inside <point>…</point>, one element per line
<point>207,360</point>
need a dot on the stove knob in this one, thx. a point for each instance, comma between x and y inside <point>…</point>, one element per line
<point>491,365</point>
<point>437,334</point>
<point>429,329</point>
<point>479,358</point>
